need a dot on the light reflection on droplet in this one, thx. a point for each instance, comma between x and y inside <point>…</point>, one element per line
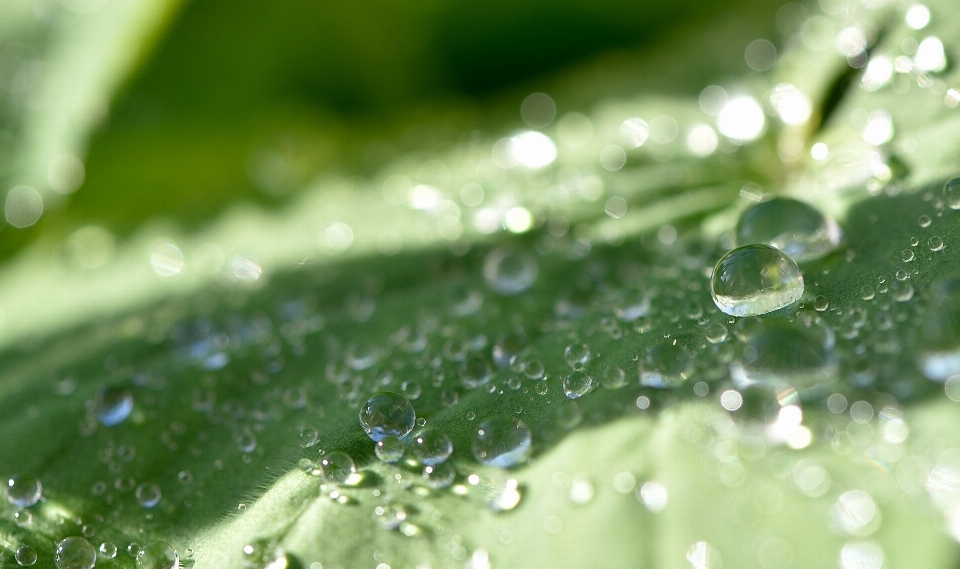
<point>23,206</point>
<point>930,55</point>
<point>791,104</point>
<point>538,110</point>
<point>166,259</point>
<point>713,99</point>
<point>861,555</point>
<point>731,400</point>
<point>65,174</point>
<point>518,219</point>
<point>918,16</point>
<point>741,119</point>
<point>878,72</point>
<point>338,236</point>
<point>856,513</point>
<point>654,496</point>
<point>851,42</point>
<point>879,128</point>
<point>635,132</point>
<point>664,129</point>
<point>702,555</point>
<point>702,140</point>
<point>533,149</point>
<point>760,55</point>
<point>244,268</point>
<point>613,158</point>
<point>819,151</point>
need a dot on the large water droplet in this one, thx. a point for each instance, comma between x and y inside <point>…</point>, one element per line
<point>387,413</point>
<point>24,491</point>
<point>509,271</point>
<point>113,405</point>
<point>431,447</point>
<point>158,555</point>
<point>754,280</point>
<point>75,553</point>
<point>502,442</point>
<point>796,228</point>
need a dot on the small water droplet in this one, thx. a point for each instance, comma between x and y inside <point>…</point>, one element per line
<point>576,355</point>
<point>389,449</point>
<point>924,221</point>
<point>907,255</point>
<point>502,442</point>
<point>308,437</point>
<point>794,227</point>
<point>935,243</point>
<point>26,555</point>
<point>113,405</point>
<point>148,495</point>
<point>337,467</point>
<point>158,555</point>
<point>439,476</point>
<point>577,384</point>
<point>821,303</point>
<point>716,333</point>
<point>951,193</point>
<point>24,491</point>
<point>509,271</point>
<point>387,413</point>
<point>75,553</point>
<point>613,377</point>
<point>108,550</point>
<point>431,447</point>
<point>665,365</point>
<point>755,280</point>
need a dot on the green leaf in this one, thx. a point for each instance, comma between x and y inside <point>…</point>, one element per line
<point>235,338</point>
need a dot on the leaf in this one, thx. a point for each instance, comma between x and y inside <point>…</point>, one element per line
<point>235,339</point>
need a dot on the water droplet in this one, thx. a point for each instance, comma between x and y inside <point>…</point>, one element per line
<point>613,377</point>
<point>940,350</point>
<point>502,442</point>
<point>439,476</point>
<point>113,405</point>
<point>576,355</point>
<point>861,555</point>
<point>411,390</point>
<point>507,348</point>
<point>755,280</point>
<point>308,437</point>
<point>902,291</point>
<point>108,550</point>
<point>431,447</point>
<point>389,449</point>
<point>387,413</point>
<point>361,355</point>
<point>907,255</point>
<point>715,333</point>
<point>856,513</point>
<point>924,220</point>
<point>665,365</point>
<point>24,491</point>
<point>23,519</point>
<point>702,555</point>
<point>509,271</point>
<point>26,555</point>
<point>389,516</point>
<point>792,353</point>
<point>821,303</point>
<point>157,555</point>
<point>148,495</point>
<point>935,243</point>
<point>577,384</point>
<point>75,553</point>
<point>951,193</point>
<point>475,372</point>
<point>796,228</point>
<point>337,467</point>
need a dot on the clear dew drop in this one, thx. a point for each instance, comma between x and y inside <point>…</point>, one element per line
<point>26,556</point>
<point>337,467</point>
<point>75,553</point>
<point>431,447</point>
<point>113,405</point>
<point>613,377</point>
<point>939,357</point>
<point>506,349</point>
<point>389,449</point>
<point>715,333</point>
<point>439,476</point>
<point>158,555</point>
<point>907,256</point>
<point>148,495</point>
<point>108,550</point>
<point>387,413</point>
<point>951,193</point>
<point>576,355</point>
<point>509,271</point>
<point>502,442</point>
<point>665,366</point>
<point>796,228</point>
<point>755,280</point>
<point>578,384</point>
<point>935,243</point>
<point>924,221</point>
<point>24,491</point>
<point>308,437</point>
